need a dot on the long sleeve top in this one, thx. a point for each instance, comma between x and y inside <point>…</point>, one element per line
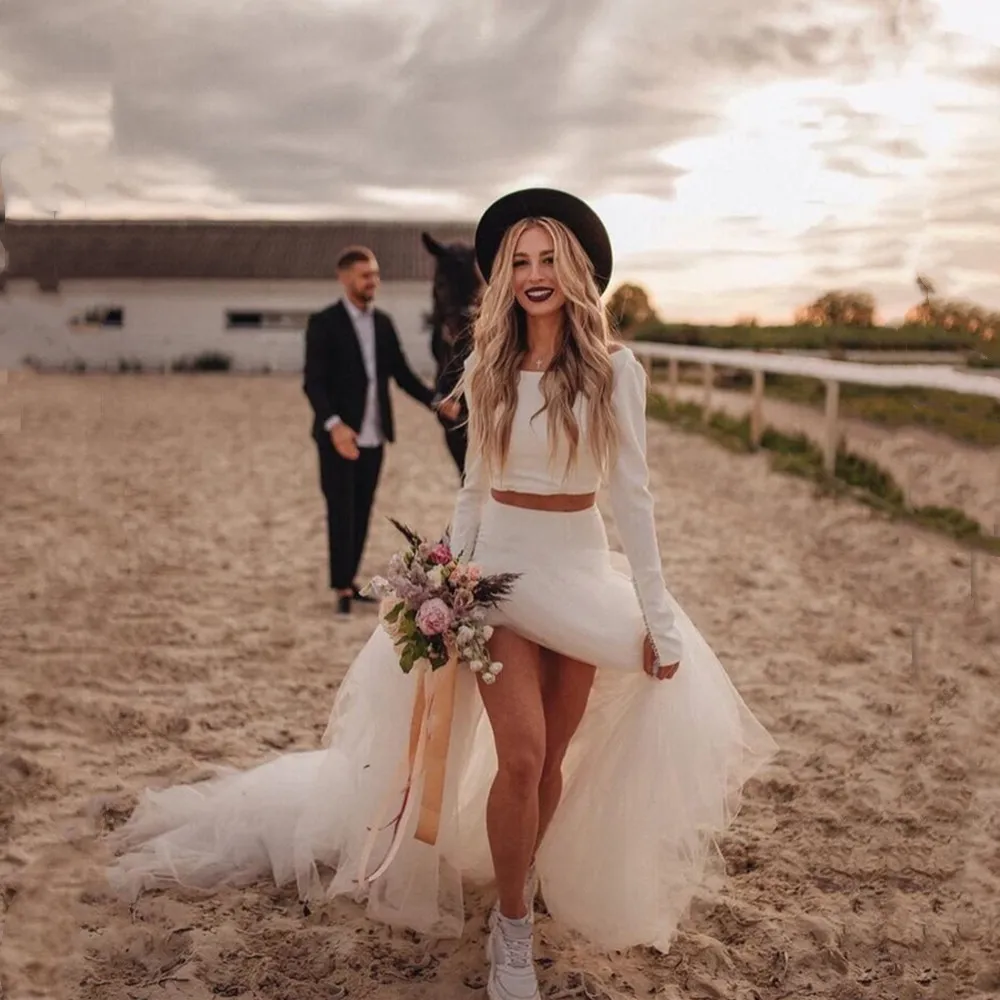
<point>628,489</point>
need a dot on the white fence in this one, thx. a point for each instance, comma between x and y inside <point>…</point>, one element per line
<point>832,373</point>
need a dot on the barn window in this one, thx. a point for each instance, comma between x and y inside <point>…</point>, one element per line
<point>100,316</point>
<point>113,316</point>
<point>275,319</point>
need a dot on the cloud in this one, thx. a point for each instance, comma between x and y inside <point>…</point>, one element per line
<point>986,74</point>
<point>676,260</point>
<point>971,255</point>
<point>69,45</point>
<point>779,146</point>
<point>841,40</point>
<point>846,164</point>
<point>313,103</point>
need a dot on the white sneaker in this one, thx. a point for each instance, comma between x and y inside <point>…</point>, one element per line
<point>510,952</point>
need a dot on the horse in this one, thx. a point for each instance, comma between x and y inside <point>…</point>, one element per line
<point>456,288</point>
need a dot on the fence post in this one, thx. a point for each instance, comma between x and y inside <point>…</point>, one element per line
<point>708,380</point>
<point>757,409</point>
<point>830,436</point>
<point>674,380</point>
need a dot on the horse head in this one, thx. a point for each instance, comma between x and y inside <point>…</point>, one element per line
<point>457,284</point>
<point>457,281</point>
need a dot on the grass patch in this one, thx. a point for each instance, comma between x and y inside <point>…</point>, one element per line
<point>730,432</point>
<point>854,475</point>
<point>972,419</point>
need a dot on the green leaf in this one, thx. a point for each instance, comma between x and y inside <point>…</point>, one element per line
<point>394,613</point>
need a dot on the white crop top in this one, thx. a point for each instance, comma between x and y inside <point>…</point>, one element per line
<point>528,470</point>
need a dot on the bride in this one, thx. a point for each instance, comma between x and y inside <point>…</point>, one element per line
<point>608,756</point>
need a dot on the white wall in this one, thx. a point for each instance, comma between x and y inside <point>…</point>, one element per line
<point>165,320</point>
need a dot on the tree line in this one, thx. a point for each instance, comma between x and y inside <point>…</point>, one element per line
<point>631,311</point>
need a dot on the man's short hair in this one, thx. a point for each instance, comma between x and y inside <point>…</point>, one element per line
<point>350,256</point>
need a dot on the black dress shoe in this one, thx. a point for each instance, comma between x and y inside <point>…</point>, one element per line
<point>364,598</point>
<point>344,604</point>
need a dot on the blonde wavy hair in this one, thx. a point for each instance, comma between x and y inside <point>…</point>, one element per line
<point>581,365</point>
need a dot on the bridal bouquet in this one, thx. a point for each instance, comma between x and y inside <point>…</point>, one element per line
<point>434,607</point>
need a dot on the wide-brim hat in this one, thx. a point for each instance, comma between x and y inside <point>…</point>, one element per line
<point>532,203</point>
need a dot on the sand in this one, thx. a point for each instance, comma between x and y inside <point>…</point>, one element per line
<point>162,609</point>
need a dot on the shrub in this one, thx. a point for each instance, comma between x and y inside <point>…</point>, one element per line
<point>207,361</point>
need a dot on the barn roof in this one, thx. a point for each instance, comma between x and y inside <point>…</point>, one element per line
<point>61,250</point>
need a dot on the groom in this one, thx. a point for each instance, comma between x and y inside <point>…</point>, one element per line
<point>351,351</point>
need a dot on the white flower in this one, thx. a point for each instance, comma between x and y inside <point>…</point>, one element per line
<point>378,586</point>
<point>476,665</point>
<point>466,635</point>
<point>490,671</point>
<point>487,632</point>
<point>436,577</point>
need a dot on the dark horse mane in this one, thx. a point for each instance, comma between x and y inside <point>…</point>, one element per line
<point>457,284</point>
<point>456,287</point>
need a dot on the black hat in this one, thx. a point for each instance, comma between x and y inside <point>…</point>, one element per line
<point>573,213</point>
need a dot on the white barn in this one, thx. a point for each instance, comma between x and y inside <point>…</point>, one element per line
<point>100,294</point>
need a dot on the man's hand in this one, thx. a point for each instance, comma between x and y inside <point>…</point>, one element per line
<point>450,409</point>
<point>345,441</point>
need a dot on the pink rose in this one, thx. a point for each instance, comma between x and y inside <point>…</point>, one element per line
<point>472,572</point>
<point>434,617</point>
<point>440,554</point>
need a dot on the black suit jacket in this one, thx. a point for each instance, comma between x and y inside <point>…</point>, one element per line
<point>334,376</point>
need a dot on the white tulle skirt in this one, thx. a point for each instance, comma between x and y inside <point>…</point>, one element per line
<point>652,777</point>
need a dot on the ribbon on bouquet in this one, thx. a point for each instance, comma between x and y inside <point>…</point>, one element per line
<point>426,759</point>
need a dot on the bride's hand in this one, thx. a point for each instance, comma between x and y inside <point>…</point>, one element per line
<point>661,672</point>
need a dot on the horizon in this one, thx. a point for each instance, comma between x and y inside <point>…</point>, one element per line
<point>428,223</point>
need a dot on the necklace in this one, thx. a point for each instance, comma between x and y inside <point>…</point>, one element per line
<point>540,362</point>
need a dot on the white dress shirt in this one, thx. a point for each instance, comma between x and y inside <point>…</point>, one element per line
<point>370,435</point>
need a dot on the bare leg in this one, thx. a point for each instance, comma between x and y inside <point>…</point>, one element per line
<point>514,707</point>
<point>566,688</point>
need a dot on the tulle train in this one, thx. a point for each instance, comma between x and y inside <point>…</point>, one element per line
<point>652,777</point>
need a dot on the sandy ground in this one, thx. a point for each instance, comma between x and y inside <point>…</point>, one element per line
<point>162,608</point>
<point>931,468</point>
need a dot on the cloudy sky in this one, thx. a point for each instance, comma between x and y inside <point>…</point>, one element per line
<point>746,156</point>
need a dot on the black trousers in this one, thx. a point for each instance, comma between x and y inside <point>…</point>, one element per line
<point>349,489</point>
